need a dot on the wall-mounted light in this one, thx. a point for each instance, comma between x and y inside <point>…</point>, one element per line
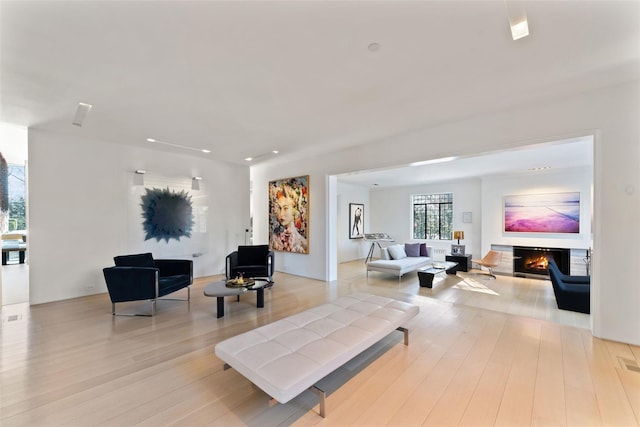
<point>195,182</point>
<point>138,177</point>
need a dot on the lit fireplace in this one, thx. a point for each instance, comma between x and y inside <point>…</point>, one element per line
<point>537,263</point>
<point>531,260</point>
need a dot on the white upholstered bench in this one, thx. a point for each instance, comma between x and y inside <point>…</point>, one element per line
<point>286,357</point>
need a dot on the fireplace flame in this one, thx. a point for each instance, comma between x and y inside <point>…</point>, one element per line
<point>538,263</point>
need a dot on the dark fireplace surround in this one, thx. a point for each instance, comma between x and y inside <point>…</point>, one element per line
<point>528,260</point>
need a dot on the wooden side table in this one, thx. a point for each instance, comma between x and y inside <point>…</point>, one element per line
<point>464,261</point>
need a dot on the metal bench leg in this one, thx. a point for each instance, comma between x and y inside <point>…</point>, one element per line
<point>406,334</point>
<point>322,397</point>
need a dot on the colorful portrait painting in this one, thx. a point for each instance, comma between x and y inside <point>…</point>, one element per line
<point>542,213</point>
<point>289,215</point>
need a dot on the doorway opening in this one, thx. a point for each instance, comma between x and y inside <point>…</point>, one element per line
<point>14,272</point>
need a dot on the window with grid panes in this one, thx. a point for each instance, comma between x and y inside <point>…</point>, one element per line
<point>432,216</point>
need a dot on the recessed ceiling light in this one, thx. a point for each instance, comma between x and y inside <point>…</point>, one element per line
<point>374,47</point>
<point>261,156</point>
<point>517,19</point>
<point>432,161</point>
<point>520,30</point>
<point>81,113</point>
<point>155,141</point>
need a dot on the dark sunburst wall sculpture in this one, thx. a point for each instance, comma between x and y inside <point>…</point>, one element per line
<point>167,214</point>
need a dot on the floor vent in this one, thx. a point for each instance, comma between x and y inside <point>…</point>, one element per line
<point>629,364</point>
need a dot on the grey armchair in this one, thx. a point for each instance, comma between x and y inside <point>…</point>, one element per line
<point>140,277</point>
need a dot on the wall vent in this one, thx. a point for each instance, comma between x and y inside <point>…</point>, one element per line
<point>11,318</point>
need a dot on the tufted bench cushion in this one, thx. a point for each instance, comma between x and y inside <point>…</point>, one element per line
<point>286,357</point>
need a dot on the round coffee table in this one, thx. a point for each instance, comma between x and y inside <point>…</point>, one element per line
<point>219,290</point>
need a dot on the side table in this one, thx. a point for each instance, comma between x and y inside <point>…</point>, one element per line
<point>426,275</point>
<point>464,261</point>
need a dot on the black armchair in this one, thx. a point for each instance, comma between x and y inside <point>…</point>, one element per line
<point>140,277</point>
<point>567,278</point>
<point>252,261</point>
<point>573,296</point>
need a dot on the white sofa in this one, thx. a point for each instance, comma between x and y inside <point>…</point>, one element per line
<point>286,357</point>
<point>395,260</point>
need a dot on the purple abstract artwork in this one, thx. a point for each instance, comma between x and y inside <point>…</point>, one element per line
<point>542,213</point>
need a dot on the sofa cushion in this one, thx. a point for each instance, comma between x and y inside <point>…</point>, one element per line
<point>169,284</point>
<point>423,249</point>
<point>384,254</point>
<point>405,264</point>
<point>412,249</point>
<point>137,260</point>
<point>397,252</point>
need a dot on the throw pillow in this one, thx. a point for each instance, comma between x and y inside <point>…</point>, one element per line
<point>384,253</point>
<point>397,252</point>
<point>412,249</point>
<point>423,249</point>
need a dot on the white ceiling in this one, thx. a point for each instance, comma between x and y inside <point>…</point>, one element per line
<point>244,78</point>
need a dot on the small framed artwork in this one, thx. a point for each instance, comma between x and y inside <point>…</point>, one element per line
<point>466,217</point>
<point>457,249</point>
<point>356,221</point>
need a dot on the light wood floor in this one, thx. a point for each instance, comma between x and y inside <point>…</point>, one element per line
<point>71,363</point>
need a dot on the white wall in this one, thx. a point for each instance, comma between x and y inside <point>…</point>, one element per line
<point>13,143</point>
<point>495,188</point>
<point>80,211</point>
<point>352,249</point>
<point>392,213</point>
<point>610,114</point>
